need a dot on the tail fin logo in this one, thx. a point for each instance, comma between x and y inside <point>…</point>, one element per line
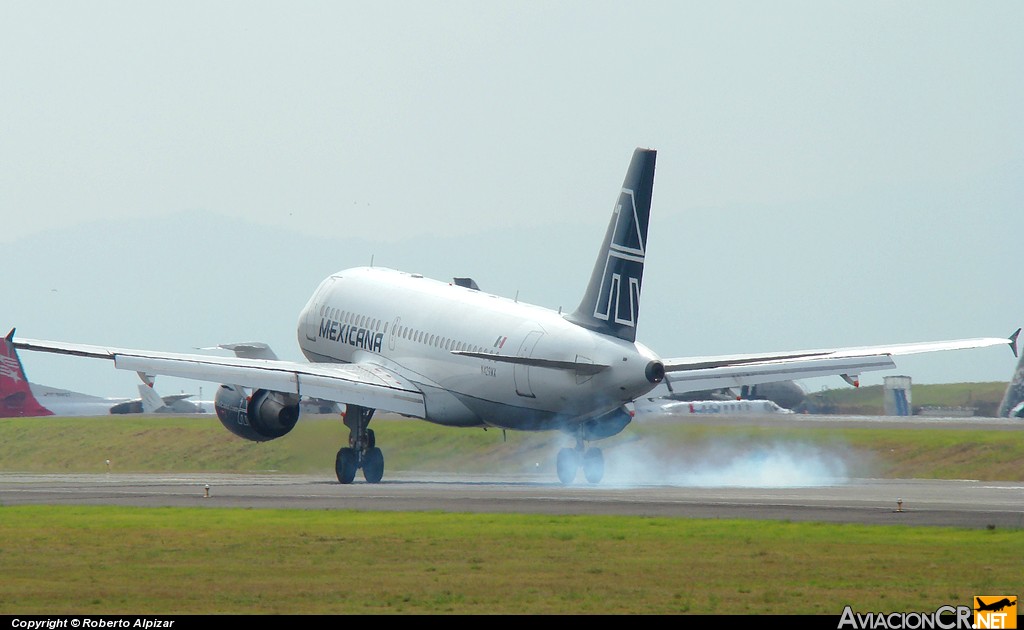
<point>9,368</point>
<point>611,304</point>
<point>619,298</point>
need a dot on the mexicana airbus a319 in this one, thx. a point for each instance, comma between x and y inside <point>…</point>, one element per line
<point>452,354</point>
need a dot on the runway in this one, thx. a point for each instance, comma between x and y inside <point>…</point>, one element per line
<point>969,504</point>
<point>803,497</point>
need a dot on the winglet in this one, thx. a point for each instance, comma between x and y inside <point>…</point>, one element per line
<point>10,337</point>
<point>1013,341</point>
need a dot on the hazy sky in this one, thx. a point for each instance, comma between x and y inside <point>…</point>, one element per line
<point>829,173</point>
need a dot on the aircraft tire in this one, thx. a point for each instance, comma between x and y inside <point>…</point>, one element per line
<point>568,463</point>
<point>345,465</point>
<point>373,465</point>
<point>371,439</point>
<point>593,465</point>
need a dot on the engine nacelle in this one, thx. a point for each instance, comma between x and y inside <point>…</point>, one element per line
<point>264,416</point>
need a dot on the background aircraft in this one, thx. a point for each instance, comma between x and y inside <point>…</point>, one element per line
<point>785,394</point>
<point>1013,400</point>
<point>731,407</point>
<point>448,353</point>
<point>151,402</point>
<point>20,398</point>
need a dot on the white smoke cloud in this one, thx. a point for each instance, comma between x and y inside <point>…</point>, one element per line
<point>726,464</point>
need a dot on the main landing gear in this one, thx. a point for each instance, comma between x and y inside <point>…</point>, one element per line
<point>362,451</point>
<point>570,460</point>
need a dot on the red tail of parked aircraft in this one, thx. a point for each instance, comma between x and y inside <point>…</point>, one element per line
<point>16,398</point>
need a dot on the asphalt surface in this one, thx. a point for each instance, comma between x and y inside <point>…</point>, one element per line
<point>970,504</point>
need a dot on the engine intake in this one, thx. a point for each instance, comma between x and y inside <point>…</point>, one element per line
<point>264,416</point>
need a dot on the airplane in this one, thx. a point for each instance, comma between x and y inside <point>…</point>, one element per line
<point>449,353</point>
<point>996,605</point>
<point>786,394</point>
<point>151,402</point>
<point>1012,405</point>
<point>732,407</point>
<point>20,398</point>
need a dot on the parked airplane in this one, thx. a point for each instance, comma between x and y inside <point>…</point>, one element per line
<point>785,394</point>
<point>451,354</point>
<point>731,407</point>
<point>20,398</point>
<point>1012,405</point>
<point>151,402</point>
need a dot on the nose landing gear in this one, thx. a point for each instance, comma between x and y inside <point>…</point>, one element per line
<point>570,460</point>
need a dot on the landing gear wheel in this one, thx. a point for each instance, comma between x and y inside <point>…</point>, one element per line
<point>371,439</point>
<point>346,463</point>
<point>373,465</point>
<point>593,465</point>
<point>568,463</point>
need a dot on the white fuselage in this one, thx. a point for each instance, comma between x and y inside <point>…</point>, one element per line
<point>62,402</point>
<point>415,326</point>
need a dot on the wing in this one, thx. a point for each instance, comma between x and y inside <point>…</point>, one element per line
<point>698,373</point>
<point>366,384</point>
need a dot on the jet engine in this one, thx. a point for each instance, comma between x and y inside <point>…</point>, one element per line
<point>263,416</point>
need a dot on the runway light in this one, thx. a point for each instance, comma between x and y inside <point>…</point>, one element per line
<point>899,505</point>
<point>108,465</point>
<point>206,494</point>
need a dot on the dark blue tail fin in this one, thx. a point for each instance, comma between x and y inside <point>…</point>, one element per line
<point>611,304</point>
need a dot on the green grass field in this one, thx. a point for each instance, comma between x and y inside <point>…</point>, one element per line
<point>106,560</point>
